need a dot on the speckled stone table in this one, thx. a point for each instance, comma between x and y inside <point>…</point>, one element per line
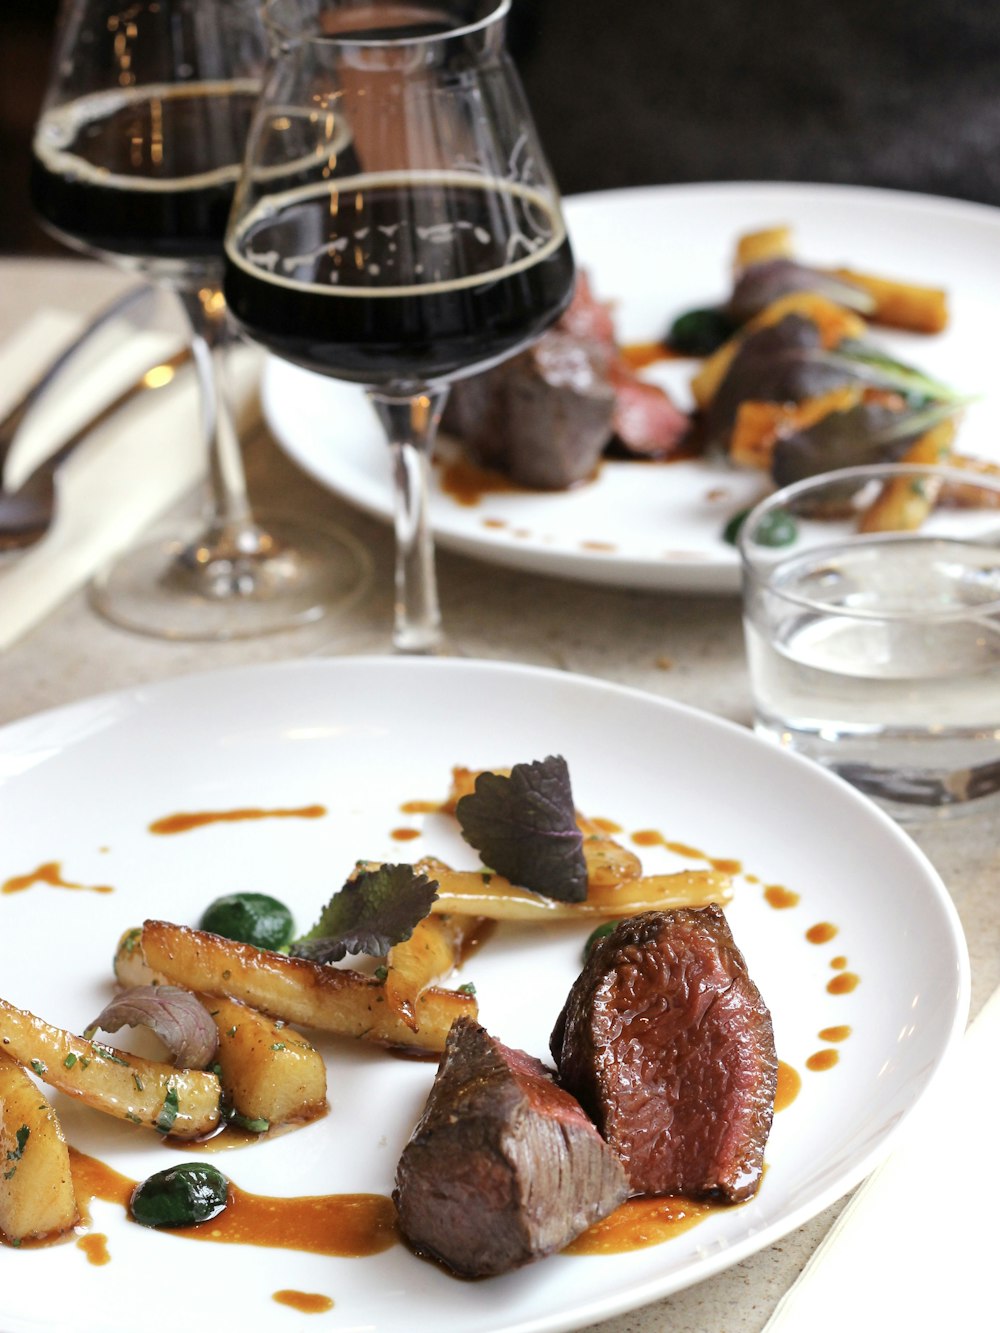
<point>684,648</point>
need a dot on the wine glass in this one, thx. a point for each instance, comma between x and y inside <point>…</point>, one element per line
<point>136,155</point>
<point>396,225</point>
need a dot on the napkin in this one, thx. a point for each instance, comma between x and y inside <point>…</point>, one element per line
<point>124,476</point>
<point>916,1247</point>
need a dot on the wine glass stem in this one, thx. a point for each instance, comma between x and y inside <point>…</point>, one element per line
<point>230,519</point>
<point>410,422</point>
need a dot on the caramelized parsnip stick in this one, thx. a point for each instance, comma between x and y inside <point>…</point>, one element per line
<point>754,247</point>
<point>905,502</point>
<point>480,893</point>
<point>431,953</point>
<point>330,999</point>
<point>267,1070</point>
<point>903,305</point>
<point>181,1102</point>
<point>36,1185</point>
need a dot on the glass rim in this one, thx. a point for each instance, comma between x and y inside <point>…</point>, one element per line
<point>496,12</point>
<point>755,568</point>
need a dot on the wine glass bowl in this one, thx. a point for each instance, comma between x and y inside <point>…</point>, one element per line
<point>396,226</point>
<point>136,155</point>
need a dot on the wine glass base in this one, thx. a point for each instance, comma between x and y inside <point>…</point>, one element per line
<point>196,586</point>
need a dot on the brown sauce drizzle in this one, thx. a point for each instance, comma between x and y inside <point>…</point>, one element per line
<point>788,1087</point>
<point>306,1302</point>
<point>95,1247</point>
<point>467,484</point>
<point>345,1225</point>
<point>822,933</point>
<point>421,807</point>
<point>50,872</point>
<point>843,983</point>
<point>822,1060</point>
<point>639,1223</point>
<point>725,865</point>
<point>838,1033</point>
<point>187,820</point>
<point>404,834</point>
<point>839,963</point>
<point>607,825</point>
<point>780,898</point>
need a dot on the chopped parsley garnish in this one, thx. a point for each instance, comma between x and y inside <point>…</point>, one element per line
<point>467,988</point>
<point>70,1061</point>
<point>524,827</point>
<point>21,1137</point>
<point>39,1068</point>
<point>168,1111</point>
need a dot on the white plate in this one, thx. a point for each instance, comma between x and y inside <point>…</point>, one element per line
<point>362,737</point>
<point>656,252</point>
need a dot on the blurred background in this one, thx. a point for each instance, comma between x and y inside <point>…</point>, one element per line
<point>902,94</point>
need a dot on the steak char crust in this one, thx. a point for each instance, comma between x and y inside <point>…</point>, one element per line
<point>503,1167</point>
<point>667,1044</point>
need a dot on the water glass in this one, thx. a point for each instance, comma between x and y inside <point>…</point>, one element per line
<point>872,621</point>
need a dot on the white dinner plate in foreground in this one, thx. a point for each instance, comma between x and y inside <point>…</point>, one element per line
<point>655,252</point>
<point>364,739</point>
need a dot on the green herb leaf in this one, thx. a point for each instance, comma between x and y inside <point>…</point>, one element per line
<point>524,827</point>
<point>168,1111</point>
<point>373,911</point>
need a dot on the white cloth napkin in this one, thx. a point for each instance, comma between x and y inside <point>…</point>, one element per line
<point>124,476</point>
<point>916,1247</point>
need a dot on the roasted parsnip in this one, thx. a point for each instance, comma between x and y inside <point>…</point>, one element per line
<point>330,999</point>
<point>36,1185</point>
<point>481,893</point>
<point>181,1102</point>
<point>431,953</point>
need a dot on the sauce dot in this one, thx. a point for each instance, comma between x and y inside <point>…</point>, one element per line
<point>606,825</point>
<point>822,932</point>
<point>647,837</point>
<point>788,1086</point>
<point>404,834</point>
<point>839,1033</point>
<point>822,1060</point>
<point>95,1247</point>
<point>839,963</point>
<point>306,1302</point>
<point>725,865</point>
<point>843,983</point>
<point>421,807</point>
<point>780,898</point>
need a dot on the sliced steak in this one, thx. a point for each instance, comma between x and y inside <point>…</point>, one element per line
<point>544,417</point>
<point>668,1045</point>
<point>503,1167</point>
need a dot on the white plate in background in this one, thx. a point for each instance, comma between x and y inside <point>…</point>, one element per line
<point>655,252</point>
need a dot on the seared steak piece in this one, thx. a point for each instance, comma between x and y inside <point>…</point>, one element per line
<point>543,418</point>
<point>668,1045</point>
<point>546,416</point>
<point>504,1167</point>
